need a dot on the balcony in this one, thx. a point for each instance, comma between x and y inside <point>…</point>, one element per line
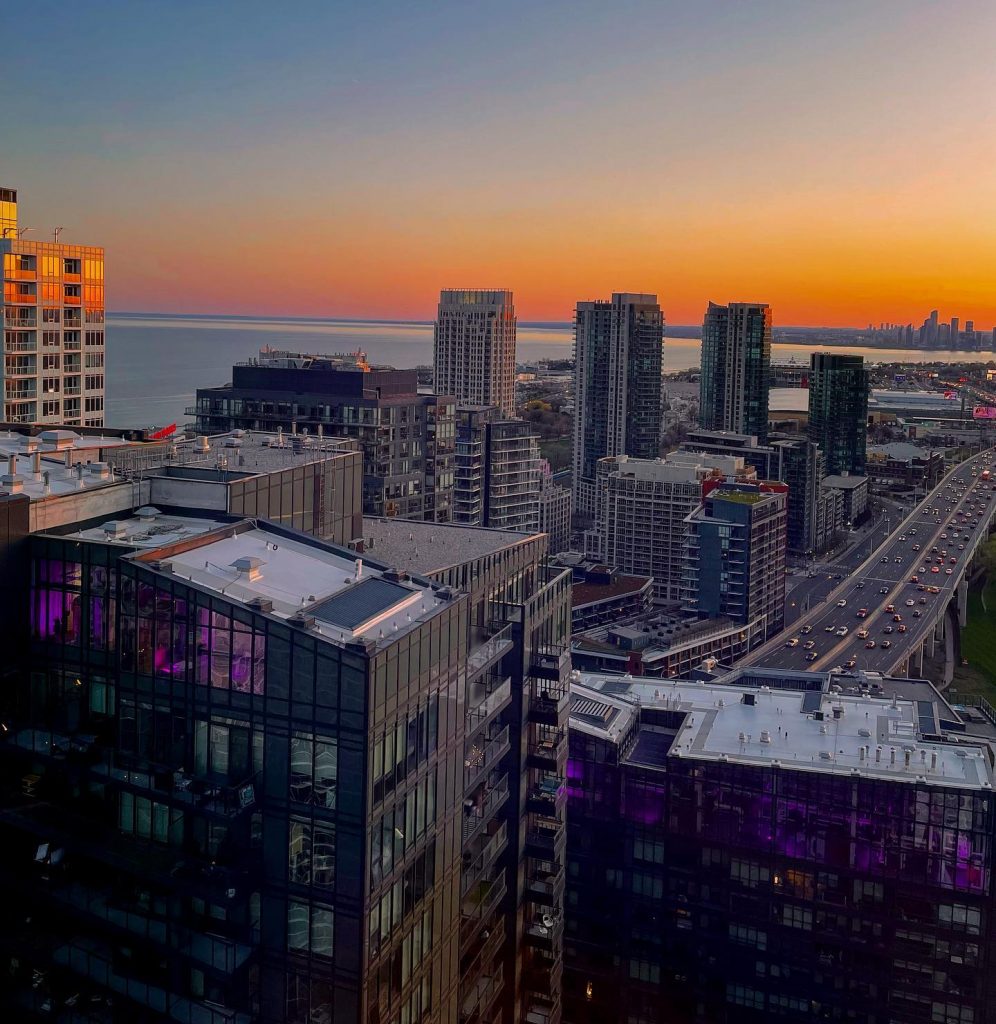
<point>479,904</point>
<point>476,816</point>
<point>543,975</point>
<point>222,800</point>
<point>545,887</point>
<point>480,759</point>
<point>481,996</point>
<point>71,300</point>
<point>550,662</point>
<point>542,1013</point>
<point>484,851</point>
<point>545,932</point>
<point>214,951</point>
<point>547,797</point>
<point>551,707</point>
<point>16,316</point>
<point>490,700</point>
<point>549,751</point>
<point>21,346</point>
<point>487,647</point>
<point>546,843</point>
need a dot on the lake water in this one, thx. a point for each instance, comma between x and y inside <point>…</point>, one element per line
<point>155,363</point>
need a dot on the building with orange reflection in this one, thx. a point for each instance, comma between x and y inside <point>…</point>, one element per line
<point>53,320</point>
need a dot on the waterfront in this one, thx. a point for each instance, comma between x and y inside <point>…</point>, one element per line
<point>156,362</point>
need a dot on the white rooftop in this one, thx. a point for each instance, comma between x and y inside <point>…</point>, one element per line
<point>297,577</point>
<point>858,735</point>
<point>147,531</point>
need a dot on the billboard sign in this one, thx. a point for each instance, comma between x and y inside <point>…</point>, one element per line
<point>984,412</point>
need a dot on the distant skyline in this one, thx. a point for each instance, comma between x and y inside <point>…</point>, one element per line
<point>837,161</point>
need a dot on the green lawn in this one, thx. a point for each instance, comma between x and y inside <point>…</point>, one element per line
<point>978,645</point>
<point>558,451</point>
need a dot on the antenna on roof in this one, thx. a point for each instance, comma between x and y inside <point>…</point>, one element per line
<point>55,234</point>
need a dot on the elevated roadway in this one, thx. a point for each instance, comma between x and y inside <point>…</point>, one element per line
<point>955,518</point>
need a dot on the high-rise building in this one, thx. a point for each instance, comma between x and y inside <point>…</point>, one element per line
<point>736,363</point>
<point>643,508</point>
<point>618,387</point>
<point>838,410</point>
<point>474,347</point>
<point>554,511</point>
<point>802,467</point>
<point>408,435</point>
<point>275,780</point>
<point>496,471</point>
<point>735,556</point>
<point>769,848</point>
<point>955,336</point>
<point>53,320</point>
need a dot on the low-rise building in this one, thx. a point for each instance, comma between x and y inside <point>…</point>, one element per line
<point>902,464</point>
<point>854,491</point>
<point>604,595</point>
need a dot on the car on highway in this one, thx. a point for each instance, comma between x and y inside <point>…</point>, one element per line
<point>953,561</point>
<point>897,618</point>
<point>910,602</point>
<point>888,629</point>
<point>805,631</point>
<point>914,579</point>
<point>934,568</point>
<point>898,560</point>
<point>860,585</point>
<point>829,629</point>
<point>809,645</point>
<point>886,643</point>
<point>869,645</point>
<point>883,590</point>
<point>850,663</point>
<point>884,558</point>
<point>812,656</point>
<point>862,633</point>
<point>890,608</point>
<point>901,629</point>
<point>917,613</point>
<point>949,571</point>
<point>961,547</point>
<point>794,642</point>
<point>944,536</point>
<point>916,547</point>
<point>933,590</point>
<point>842,631</point>
<point>842,603</point>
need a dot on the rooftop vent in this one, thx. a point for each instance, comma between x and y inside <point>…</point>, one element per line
<point>260,604</point>
<point>147,512</point>
<point>101,470</point>
<point>115,528</point>
<point>749,699</point>
<point>250,566</point>
<point>30,444</point>
<point>58,439</point>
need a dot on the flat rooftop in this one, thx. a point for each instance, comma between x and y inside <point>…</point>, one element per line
<point>153,529</point>
<point>347,599</point>
<point>54,478</point>
<point>857,735</point>
<point>431,547</point>
<point>845,483</point>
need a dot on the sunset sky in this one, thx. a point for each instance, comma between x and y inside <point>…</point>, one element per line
<point>836,159</point>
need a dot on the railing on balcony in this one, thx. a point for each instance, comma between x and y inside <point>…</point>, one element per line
<point>223,799</point>
<point>545,841</point>
<point>479,904</point>
<point>549,749</point>
<point>547,796</point>
<point>488,850</point>
<point>480,759</point>
<point>481,996</point>
<point>497,697</point>
<point>477,816</point>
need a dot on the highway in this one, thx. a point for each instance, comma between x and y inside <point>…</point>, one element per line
<point>960,508</point>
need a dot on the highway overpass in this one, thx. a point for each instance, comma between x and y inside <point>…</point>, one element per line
<point>936,543</point>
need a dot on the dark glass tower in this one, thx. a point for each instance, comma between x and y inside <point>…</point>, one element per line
<point>838,410</point>
<point>618,349</point>
<point>736,366</point>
